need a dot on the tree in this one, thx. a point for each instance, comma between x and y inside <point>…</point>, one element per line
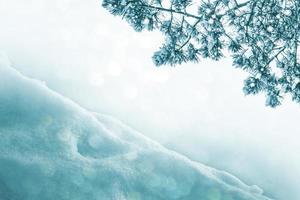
<point>262,37</point>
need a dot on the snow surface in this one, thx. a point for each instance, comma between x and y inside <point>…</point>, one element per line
<point>51,148</point>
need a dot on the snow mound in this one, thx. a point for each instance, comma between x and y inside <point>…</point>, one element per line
<point>53,149</point>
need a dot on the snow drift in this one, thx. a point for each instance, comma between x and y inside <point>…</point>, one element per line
<point>51,148</point>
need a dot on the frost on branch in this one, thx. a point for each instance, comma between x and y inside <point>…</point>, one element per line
<point>261,36</point>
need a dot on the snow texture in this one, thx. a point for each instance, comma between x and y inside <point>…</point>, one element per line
<point>51,148</point>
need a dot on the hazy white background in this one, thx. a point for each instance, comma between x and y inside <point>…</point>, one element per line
<point>97,60</point>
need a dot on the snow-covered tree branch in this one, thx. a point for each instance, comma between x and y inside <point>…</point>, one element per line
<point>261,36</point>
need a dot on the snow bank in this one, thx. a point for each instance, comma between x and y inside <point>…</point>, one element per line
<point>51,148</point>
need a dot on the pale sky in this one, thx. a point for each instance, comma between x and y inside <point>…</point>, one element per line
<point>97,60</point>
